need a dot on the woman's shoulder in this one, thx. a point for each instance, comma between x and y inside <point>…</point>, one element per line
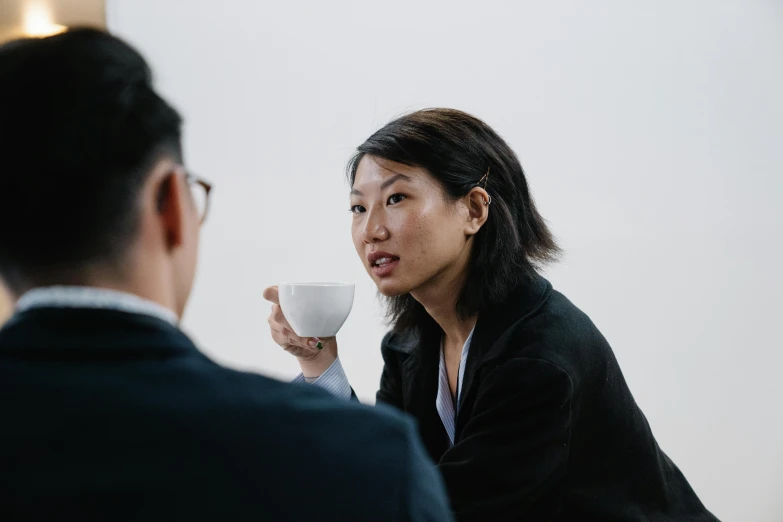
<point>562,318</point>
<point>559,333</point>
<point>400,341</point>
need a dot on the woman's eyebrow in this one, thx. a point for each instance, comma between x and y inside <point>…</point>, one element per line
<point>389,182</point>
<point>386,184</point>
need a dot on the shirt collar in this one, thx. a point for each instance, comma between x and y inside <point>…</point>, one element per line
<point>92,297</point>
<point>444,403</point>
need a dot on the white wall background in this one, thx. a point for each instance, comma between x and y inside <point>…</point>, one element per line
<point>652,134</point>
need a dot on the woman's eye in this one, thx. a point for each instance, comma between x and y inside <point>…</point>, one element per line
<point>395,198</point>
<point>357,209</point>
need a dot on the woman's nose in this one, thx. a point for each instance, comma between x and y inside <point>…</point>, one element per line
<point>374,229</point>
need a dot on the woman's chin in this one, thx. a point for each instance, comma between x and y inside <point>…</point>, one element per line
<point>390,288</point>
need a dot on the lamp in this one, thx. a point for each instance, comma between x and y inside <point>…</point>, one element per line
<point>39,18</point>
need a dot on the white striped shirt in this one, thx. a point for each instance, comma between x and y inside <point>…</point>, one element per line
<point>336,382</point>
<point>447,408</point>
<point>93,297</point>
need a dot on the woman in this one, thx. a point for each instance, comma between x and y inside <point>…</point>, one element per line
<point>517,395</point>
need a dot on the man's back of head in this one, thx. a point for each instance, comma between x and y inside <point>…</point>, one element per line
<point>89,191</point>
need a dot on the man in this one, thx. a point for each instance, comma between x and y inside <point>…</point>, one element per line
<point>109,411</point>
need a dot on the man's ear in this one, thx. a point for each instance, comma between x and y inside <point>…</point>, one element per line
<point>171,193</point>
<point>477,201</point>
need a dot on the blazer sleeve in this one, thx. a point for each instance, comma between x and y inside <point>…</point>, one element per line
<point>390,391</point>
<point>513,453</point>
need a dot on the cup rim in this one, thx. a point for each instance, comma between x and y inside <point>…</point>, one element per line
<point>336,284</point>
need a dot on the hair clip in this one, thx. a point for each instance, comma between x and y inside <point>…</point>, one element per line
<point>485,179</point>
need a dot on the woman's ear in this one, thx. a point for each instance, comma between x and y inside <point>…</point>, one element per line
<point>478,203</point>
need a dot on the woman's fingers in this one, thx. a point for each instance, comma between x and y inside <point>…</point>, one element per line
<point>280,337</point>
<point>277,315</point>
<point>302,352</point>
<point>271,294</point>
<point>277,320</point>
<point>299,346</point>
<point>302,347</point>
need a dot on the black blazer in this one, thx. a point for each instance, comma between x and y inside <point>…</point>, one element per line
<point>547,428</point>
<point>106,415</point>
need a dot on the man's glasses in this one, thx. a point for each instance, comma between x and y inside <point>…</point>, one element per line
<point>200,188</point>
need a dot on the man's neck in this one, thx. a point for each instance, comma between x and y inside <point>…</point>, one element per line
<point>92,297</point>
<point>148,284</point>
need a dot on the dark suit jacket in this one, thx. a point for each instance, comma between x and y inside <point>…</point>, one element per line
<point>547,428</point>
<point>106,415</point>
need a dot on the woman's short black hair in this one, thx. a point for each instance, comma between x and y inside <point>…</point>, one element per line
<point>458,149</point>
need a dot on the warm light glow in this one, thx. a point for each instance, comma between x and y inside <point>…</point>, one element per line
<point>38,21</point>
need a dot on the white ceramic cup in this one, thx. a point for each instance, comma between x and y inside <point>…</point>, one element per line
<point>316,309</point>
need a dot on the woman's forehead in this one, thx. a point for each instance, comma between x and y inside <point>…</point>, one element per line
<point>372,169</point>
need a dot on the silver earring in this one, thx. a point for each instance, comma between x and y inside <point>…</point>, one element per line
<point>488,201</point>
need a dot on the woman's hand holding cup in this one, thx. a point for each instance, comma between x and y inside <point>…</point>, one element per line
<point>314,354</point>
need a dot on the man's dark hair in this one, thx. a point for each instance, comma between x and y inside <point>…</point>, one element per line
<point>80,128</point>
<point>458,149</point>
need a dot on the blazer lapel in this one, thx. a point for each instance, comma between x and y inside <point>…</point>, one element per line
<point>487,343</point>
<point>420,381</point>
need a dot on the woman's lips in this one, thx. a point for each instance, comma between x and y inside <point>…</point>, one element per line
<point>385,266</point>
<point>382,263</point>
